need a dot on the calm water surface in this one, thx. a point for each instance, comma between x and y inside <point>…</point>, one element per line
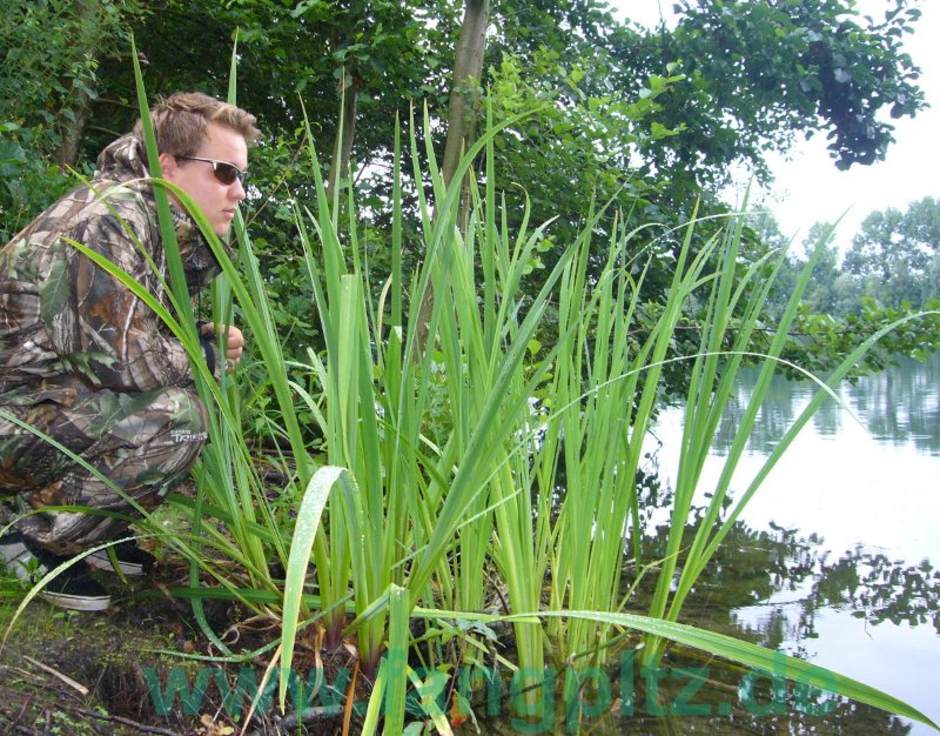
<point>849,517</point>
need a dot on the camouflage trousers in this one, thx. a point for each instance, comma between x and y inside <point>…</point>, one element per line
<point>144,443</point>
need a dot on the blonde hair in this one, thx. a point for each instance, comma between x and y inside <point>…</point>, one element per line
<point>180,122</point>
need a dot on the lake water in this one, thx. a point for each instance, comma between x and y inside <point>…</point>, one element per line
<point>848,534</point>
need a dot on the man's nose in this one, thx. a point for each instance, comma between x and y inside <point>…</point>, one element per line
<point>237,190</point>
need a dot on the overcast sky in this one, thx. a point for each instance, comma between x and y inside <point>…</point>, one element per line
<point>808,186</point>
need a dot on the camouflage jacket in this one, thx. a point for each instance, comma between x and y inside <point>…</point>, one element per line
<point>66,325</point>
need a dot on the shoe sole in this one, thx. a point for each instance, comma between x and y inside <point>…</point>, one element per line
<point>17,557</point>
<point>76,602</point>
<point>101,561</point>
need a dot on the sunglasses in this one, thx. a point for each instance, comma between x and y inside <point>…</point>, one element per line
<point>225,172</point>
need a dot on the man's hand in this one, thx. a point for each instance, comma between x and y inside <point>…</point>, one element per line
<point>235,344</point>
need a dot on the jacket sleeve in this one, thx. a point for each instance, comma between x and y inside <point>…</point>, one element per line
<point>106,332</point>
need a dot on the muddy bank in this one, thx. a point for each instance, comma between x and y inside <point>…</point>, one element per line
<point>67,672</point>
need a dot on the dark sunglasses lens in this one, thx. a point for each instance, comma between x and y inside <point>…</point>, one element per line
<point>226,173</point>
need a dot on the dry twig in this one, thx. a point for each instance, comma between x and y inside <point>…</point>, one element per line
<point>55,673</point>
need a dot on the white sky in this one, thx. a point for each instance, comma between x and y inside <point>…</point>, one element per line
<point>808,186</point>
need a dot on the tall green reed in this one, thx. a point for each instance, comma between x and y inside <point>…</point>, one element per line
<point>437,517</point>
<point>377,381</point>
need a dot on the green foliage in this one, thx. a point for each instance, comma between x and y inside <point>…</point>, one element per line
<point>648,115</point>
<point>29,182</point>
<point>894,256</point>
<point>652,118</point>
<point>50,53</point>
<point>385,51</point>
<point>797,67</point>
<point>885,276</point>
<point>645,118</point>
<point>821,338</point>
<point>574,127</point>
<point>536,335</point>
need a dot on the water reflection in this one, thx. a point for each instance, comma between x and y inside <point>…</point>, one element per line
<point>878,589</point>
<point>749,566</point>
<point>903,404</point>
<point>772,587</point>
<point>789,573</point>
<point>864,600</point>
<point>870,612</point>
<point>899,405</point>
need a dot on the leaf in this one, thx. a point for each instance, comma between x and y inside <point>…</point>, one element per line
<point>396,660</point>
<point>11,153</point>
<point>308,521</point>
<point>304,7</point>
<point>660,131</point>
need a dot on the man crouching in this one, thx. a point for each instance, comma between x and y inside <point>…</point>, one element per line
<point>85,362</point>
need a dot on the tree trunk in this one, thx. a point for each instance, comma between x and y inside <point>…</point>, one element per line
<point>461,120</point>
<point>465,90</point>
<point>87,38</point>
<point>345,133</point>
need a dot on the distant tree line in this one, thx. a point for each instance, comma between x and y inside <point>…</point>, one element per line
<point>894,260</point>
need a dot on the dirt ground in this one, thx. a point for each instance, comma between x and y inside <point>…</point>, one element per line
<point>72,673</point>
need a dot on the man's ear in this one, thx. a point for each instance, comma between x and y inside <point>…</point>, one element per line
<point>169,166</point>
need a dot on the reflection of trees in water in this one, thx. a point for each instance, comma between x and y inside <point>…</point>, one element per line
<point>846,718</point>
<point>746,714</point>
<point>878,589</point>
<point>866,585</point>
<point>776,414</point>
<point>828,418</point>
<point>903,403</point>
<point>722,705</point>
<point>750,567</point>
<point>899,404</point>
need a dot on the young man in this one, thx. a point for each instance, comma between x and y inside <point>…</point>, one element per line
<point>86,363</point>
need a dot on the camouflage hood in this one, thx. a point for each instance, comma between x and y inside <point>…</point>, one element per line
<point>126,159</point>
<point>65,325</point>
